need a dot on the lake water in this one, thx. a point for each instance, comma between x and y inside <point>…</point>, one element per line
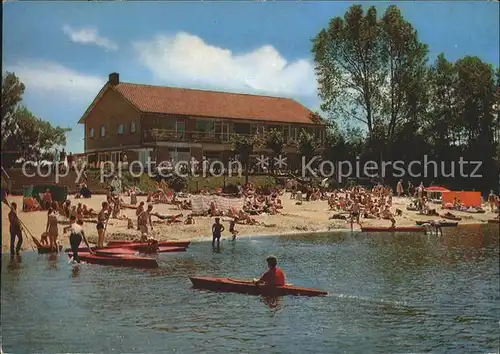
<point>391,293</point>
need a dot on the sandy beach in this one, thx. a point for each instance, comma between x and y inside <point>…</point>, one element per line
<point>308,217</point>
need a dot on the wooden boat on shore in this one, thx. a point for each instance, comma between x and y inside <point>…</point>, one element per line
<point>44,249</point>
<point>133,244</point>
<point>247,287</point>
<point>130,250</point>
<point>450,216</point>
<point>442,223</point>
<point>118,260</point>
<point>47,249</point>
<point>393,229</point>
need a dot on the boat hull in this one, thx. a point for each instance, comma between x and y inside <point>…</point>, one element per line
<point>47,250</point>
<point>393,229</point>
<point>449,217</point>
<point>442,223</point>
<point>245,287</point>
<point>118,260</point>
<point>125,243</point>
<point>130,250</point>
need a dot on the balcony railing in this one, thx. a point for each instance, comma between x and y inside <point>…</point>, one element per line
<point>165,135</point>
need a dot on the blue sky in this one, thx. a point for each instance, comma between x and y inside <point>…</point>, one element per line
<point>63,51</point>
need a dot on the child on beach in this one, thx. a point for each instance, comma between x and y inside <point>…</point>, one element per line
<point>217,230</point>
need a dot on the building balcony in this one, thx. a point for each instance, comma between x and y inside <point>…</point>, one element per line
<point>165,135</point>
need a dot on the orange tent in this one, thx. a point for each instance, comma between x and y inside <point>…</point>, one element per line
<point>466,198</point>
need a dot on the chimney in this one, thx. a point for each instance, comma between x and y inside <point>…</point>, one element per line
<point>114,79</point>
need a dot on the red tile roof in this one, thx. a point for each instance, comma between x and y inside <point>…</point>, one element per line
<point>171,100</point>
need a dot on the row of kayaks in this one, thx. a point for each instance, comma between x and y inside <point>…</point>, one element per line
<point>125,253</point>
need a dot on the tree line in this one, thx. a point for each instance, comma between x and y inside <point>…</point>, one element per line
<point>25,135</point>
<point>385,100</point>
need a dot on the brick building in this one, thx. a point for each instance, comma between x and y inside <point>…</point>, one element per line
<point>164,122</point>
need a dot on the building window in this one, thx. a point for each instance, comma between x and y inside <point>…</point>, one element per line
<point>103,131</point>
<point>120,129</point>
<point>132,127</point>
<point>204,125</point>
<point>91,132</point>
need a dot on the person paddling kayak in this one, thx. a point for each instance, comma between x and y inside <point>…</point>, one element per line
<point>274,276</point>
<point>76,235</point>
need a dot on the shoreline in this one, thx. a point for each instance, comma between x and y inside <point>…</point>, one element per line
<point>308,218</point>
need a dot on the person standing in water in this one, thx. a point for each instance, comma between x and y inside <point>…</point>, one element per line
<point>101,219</point>
<point>232,229</point>
<point>76,235</point>
<point>217,230</point>
<point>52,229</point>
<point>15,230</point>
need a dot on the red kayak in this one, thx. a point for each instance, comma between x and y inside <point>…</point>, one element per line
<point>126,243</point>
<point>118,260</point>
<point>130,250</point>
<point>247,287</point>
<point>393,229</point>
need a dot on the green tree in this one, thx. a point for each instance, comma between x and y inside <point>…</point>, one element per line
<point>23,134</point>
<point>242,145</point>
<point>349,58</point>
<point>308,145</point>
<point>404,94</point>
<point>275,140</point>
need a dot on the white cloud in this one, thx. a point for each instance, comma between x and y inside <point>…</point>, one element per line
<point>54,79</point>
<point>187,59</point>
<point>89,35</point>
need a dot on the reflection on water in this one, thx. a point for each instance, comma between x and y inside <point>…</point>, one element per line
<point>387,293</point>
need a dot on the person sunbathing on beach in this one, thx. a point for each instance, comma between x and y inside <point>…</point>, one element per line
<point>170,218</point>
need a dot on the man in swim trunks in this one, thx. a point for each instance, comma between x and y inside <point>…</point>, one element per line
<point>217,230</point>
<point>101,219</point>
<point>143,220</point>
<point>274,276</point>
<point>15,230</point>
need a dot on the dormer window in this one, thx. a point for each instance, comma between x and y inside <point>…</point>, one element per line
<point>91,132</point>
<point>103,131</point>
<point>120,129</point>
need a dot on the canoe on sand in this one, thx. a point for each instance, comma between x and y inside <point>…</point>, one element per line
<point>126,243</point>
<point>47,250</point>
<point>44,249</point>
<point>451,217</point>
<point>442,223</point>
<point>129,250</point>
<point>118,260</point>
<point>247,287</point>
<point>393,229</point>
